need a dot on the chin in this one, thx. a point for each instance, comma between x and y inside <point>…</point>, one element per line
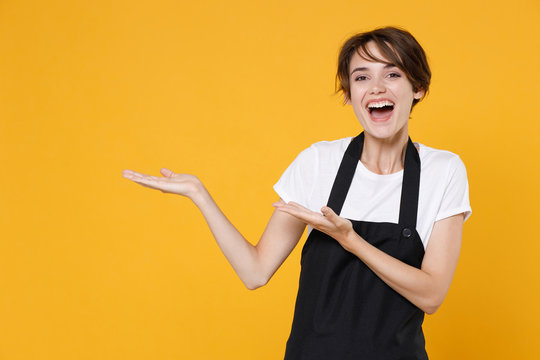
<point>380,131</point>
<point>384,132</point>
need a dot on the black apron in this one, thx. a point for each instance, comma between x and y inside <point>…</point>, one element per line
<point>343,309</point>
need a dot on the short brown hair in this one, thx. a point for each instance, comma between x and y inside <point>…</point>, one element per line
<point>400,49</point>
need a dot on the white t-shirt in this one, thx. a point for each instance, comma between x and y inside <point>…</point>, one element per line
<point>444,189</point>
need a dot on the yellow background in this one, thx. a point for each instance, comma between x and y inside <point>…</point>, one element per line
<point>93,266</point>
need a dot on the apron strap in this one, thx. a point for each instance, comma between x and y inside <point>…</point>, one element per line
<point>409,190</point>
<point>345,174</point>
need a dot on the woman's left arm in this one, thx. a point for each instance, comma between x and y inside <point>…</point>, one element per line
<point>425,287</point>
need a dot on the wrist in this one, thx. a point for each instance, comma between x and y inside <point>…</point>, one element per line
<point>198,194</point>
<point>349,239</point>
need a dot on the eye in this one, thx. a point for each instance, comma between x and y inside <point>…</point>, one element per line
<point>360,78</point>
<point>394,75</point>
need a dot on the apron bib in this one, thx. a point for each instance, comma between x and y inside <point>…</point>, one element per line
<point>343,310</point>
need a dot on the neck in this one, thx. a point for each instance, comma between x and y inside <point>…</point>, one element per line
<point>385,156</point>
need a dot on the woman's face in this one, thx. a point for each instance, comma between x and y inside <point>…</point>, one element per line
<point>381,95</point>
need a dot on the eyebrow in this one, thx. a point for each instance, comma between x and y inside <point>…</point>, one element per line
<point>387,66</point>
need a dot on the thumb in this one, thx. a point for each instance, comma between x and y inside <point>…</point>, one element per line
<point>166,172</point>
<point>328,212</point>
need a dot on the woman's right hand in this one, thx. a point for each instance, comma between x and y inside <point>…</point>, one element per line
<point>181,184</point>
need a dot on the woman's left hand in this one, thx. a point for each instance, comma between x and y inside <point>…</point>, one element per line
<point>329,222</point>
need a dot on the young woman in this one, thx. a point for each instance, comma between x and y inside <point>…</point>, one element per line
<point>384,215</point>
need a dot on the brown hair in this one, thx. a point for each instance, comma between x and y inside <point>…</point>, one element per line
<point>400,49</point>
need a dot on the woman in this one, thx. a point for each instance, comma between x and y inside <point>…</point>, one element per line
<point>383,249</point>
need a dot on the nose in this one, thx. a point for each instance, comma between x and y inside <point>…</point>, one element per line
<point>377,86</point>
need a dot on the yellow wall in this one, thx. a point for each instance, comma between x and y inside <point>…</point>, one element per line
<point>93,266</point>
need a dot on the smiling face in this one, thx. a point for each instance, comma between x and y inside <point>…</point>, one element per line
<point>381,95</point>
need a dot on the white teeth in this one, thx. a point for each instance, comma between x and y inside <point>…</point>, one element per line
<point>380,104</point>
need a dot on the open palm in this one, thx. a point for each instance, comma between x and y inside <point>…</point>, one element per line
<point>170,182</point>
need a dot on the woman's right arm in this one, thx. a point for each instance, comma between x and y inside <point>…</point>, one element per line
<point>255,265</point>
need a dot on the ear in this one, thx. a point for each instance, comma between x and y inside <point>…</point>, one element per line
<point>347,99</point>
<point>419,94</point>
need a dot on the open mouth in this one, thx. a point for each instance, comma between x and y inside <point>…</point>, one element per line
<point>380,110</point>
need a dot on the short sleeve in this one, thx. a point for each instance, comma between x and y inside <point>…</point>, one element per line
<point>456,195</point>
<point>298,181</point>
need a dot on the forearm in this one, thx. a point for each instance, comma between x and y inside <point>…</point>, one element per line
<point>419,287</point>
<point>242,255</point>
<point>255,265</point>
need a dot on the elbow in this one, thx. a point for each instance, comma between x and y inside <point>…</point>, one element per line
<point>255,282</point>
<point>432,305</point>
<point>253,286</point>
<point>430,310</point>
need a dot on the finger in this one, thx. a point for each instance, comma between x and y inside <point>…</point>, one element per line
<point>300,209</point>
<point>298,216</point>
<point>166,172</point>
<point>280,203</point>
<point>290,204</point>
<point>289,209</point>
<point>147,186</point>
<point>328,212</point>
<point>297,205</point>
<point>155,182</point>
<point>147,182</point>
<point>147,177</point>
<point>302,213</point>
<point>315,215</point>
<point>130,174</point>
<point>332,216</point>
<point>336,220</point>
